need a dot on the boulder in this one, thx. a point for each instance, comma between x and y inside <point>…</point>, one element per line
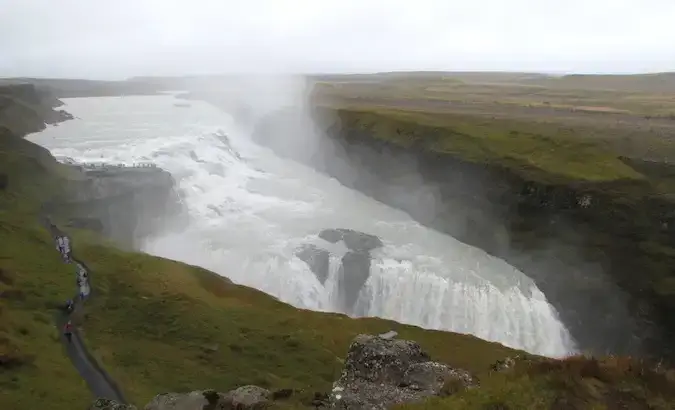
<point>503,364</point>
<point>380,373</point>
<point>247,398</point>
<point>317,259</point>
<point>354,240</point>
<point>107,404</point>
<point>243,398</point>
<point>196,400</point>
<point>354,268</point>
<point>353,274</point>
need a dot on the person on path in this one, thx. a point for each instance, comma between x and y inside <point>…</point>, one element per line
<point>70,305</point>
<point>68,331</point>
<point>66,249</point>
<point>59,244</point>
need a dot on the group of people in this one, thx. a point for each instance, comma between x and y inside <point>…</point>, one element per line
<point>63,246</point>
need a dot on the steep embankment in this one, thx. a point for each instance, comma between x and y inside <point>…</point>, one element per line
<point>594,230</point>
<point>24,109</point>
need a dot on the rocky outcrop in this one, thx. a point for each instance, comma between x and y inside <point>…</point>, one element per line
<point>354,240</point>
<point>123,203</point>
<point>242,398</point>
<point>353,274</point>
<point>317,259</point>
<point>247,397</point>
<point>107,404</point>
<point>381,372</point>
<point>354,266</point>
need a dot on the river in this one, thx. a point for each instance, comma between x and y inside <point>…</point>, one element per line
<point>249,210</point>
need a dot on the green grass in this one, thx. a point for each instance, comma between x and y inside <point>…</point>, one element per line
<point>575,383</point>
<point>536,153</point>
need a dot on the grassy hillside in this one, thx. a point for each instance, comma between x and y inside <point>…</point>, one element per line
<point>542,153</point>
<point>578,98</point>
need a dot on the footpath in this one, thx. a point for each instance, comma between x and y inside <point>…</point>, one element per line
<point>99,381</point>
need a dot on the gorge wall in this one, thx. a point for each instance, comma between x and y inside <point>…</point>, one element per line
<point>124,204</point>
<point>594,249</point>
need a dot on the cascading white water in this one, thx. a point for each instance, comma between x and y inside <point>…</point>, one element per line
<point>250,210</point>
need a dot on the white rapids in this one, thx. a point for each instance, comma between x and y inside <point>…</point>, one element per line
<point>249,210</point>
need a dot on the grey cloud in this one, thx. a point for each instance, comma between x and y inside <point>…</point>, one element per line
<point>115,39</point>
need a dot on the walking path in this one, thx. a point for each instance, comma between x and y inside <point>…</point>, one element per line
<point>100,383</point>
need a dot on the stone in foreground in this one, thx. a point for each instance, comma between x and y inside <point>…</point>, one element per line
<point>107,404</point>
<point>380,373</point>
<point>243,398</point>
<point>247,397</point>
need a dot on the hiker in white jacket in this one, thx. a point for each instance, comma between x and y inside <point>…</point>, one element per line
<point>66,248</point>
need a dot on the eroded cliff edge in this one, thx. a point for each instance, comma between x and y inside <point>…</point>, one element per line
<point>125,204</point>
<point>601,249</point>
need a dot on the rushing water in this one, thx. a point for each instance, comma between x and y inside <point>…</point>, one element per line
<point>249,210</point>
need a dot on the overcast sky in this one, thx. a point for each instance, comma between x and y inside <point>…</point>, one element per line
<point>121,38</point>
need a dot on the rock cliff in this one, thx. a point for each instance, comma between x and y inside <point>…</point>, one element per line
<point>380,372</point>
<point>122,203</point>
<point>354,268</point>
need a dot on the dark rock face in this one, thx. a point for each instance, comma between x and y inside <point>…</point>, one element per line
<point>107,404</point>
<point>247,397</point>
<point>354,240</point>
<point>125,204</point>
<point>379,373</point>
<point>355,264</point>
<point>353,274</point>
<point>318,260</point>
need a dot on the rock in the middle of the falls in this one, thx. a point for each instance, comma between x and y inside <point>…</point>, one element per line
<point>354,267</point>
